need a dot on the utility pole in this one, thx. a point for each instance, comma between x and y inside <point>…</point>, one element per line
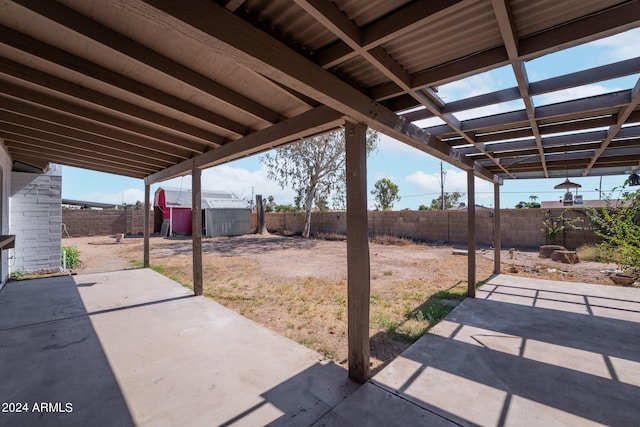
<point>442,174</point>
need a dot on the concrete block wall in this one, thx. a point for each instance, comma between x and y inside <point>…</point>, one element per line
<point>520,228</point>
<point>36,220</point>
<point>88,222</point>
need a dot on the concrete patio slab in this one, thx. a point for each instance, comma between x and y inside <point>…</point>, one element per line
<point>134,348</point>
<point>527,352</point>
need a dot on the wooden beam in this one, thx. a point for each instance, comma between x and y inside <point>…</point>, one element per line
<point>471,236</point>
<point>147,197</point>
<point>26,145</point>
<point>37,139</point>
<point>50,82</point>
<point>621,119</point>
<point>57,119</point>
<point>358,267</point>
<point>306,124</point>
<point>405,20</point>
<point>497,240</point>
<point>82,112</point>
<point>329,16</point>
<point>116,41</point>
<point>233,38</point>
<point>196,229</point>
<point>93,71</point>
<point>594,26</point>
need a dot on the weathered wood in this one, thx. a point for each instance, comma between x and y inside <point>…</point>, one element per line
<point>196,229</point>
<point>147,197</point>
<point>358,268</point>
<point>497,243</point>
<point>567,257</point>
<point>547,250</point>
<point>261,217</point>
<point>471,237</point>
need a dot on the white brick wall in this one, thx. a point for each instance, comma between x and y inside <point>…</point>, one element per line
<point>36,219</point>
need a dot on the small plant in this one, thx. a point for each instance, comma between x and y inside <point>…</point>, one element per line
<point>553,228</point>
<point>17,275</point>
<point>71,256</point>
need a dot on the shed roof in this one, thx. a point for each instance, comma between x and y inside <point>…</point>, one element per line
<point>153,88</point>
<point>181,198</point>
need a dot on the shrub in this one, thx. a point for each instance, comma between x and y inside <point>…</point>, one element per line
<point>552,228</point>
<point>619,226</point>
<point>71,255</point>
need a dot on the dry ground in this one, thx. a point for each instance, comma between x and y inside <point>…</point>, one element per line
<point>297,287</point>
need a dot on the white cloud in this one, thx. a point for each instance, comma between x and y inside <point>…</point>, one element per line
<point>130,195</point>
<point>239,181</point>
<point>621,46</point>
<point>573,93</point>
<point>391,145</point>
<point>454,180</point>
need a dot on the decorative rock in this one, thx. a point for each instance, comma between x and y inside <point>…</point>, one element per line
<point>547,250</point>
<point>567,257</point>
<point>622,279</point>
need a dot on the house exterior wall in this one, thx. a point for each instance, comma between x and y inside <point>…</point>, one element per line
<point>36,220</point>
<point>5,191</point>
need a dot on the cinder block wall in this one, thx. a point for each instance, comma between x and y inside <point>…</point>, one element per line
<point>520,228</point>
<point>87,222</point>
<point>36,220</point>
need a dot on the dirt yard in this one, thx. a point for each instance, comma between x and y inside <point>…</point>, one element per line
<point>297,287</point>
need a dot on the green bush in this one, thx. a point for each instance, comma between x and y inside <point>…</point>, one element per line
<point>619,226</point>
<point>72,256</point>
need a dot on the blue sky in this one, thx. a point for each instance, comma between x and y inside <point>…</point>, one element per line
<point>415,173</point>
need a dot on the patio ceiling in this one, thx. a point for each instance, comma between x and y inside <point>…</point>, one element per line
<point>150,89</point>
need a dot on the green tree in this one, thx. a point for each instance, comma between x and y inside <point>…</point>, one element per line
<point>313,168</point>
<point>450,200</point>
<point>423,208</point>
<point>386,193</point>
<point>531,204</point>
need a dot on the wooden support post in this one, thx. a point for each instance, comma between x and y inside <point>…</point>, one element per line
<point>496,228</point>
<point>471,234</point>
<point>261,224</point>
<point>196,229</point>
<point>358,269</point>
<point>147,191</point>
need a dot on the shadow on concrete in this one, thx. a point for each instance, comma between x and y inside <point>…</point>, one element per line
<point>133,348</point>
<point>300,400</point>
<point>503,363</point>
<point>51,355</point>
